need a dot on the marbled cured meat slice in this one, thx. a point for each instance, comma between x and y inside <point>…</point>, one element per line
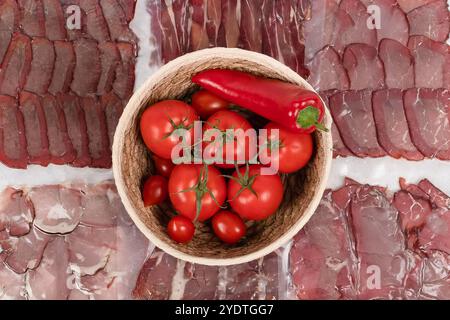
<point>430,20</point>
<point>50,280</point>
<point>54,20</point>
<point>12,285</point>
<point>16,212</point>
<point>199,35</point>
<point>35,128</point>
<point>102,206</point>
<point>413,210</point>
<point>117,21</point>
<point>128,7</point>
<point>439,198</point>
<point>231,20</point>
<point>363,66</point>
<point>213,20</point>
<point>76,128</point>
<point>427,112</point>
<point>13,149</point>
<point>97,133</point>
<point>391,124</point>
<point>16,65</point>
<point>113,108</point>
<point>435,276</point>
<point>124,83</point>
<point>95,21</point>
<point>182,22</point>
<point>42,65</point>
<point>201,282</point>
<point>251,25</point>
<point>327,72</point>
<point>271,275</point>
<point>242,281</point>
<point>64,67</point>
<point>398,64</point>
<point>110,59</point>
<point>87,69</point>
<point>352,113</point>
<point>408,5</point>
<point>60,146</point>
<point>32,20</point>
<point>9,20</point>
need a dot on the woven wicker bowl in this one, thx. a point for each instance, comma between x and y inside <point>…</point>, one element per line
<point>132,163</point>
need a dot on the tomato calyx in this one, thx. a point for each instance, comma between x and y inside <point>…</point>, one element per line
<point>175,127</point>
<point>244,180</point>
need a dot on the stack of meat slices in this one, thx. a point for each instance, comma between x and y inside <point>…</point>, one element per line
<point>387,85</point>
<point>67,70</point>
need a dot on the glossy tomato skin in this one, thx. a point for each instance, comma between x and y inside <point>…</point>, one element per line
<point>295,149</point>
<point>269,191</point>
<point>207,103</point>
<point>186,176</point>
<point>157,125</point>
<point>181,229</point>
<point>155,190</point>
<point>163,166</point>
<point>228,226</point>
<point>242,148</point>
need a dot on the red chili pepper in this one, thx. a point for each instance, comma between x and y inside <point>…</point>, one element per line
<point>287,104</point>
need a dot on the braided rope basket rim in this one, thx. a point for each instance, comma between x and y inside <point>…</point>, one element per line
<point>130,166</point>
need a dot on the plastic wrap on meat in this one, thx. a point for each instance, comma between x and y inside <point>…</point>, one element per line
<point>55,24</point>
<point>16,212</point>
<point>63,68</point>
<point>102,206</point>
<point>42,65</point>
<point>392,127</point>
<point>12,285</point>
<point>87,69</point>
<point>398,64</point>
<point>32,18</point>
<point>427,113</point>
<point>9,21</point>
<point>110,59</point>
<point>430,20</point>
<point>95,20</point>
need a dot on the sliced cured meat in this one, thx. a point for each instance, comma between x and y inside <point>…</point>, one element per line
<point>76,128</point>
<point>76,20</point>
<point>110,59</point>
<point>54,20</point>
<point>352,113</point>
<point>363,66</point>
<point>7,243</point>
<point>413,210</point>
<point>32,19</point>
<point>95,21</point>
<point>435,280</point>
<point>49,280</point>
<point>35,128</point>
<point>42,64</point>
<point>182,22</point>
<point>270,274</point>
<point>12,285</point>
<point>380,245</point>
<point>327,72</point>
<point>64,67</point>
<point>102,206</point>
<point>320,259</point>
<point>13,152</point>
<point>117,21</point>
<point>128,7</point>
<point>97,133</point>
<point>342,196</point>
<point>398,64</point>
<point>16,65</point>
<point>201,282</point>
<point>199,35</point>
<point>57,209</point>
<point>78,295</point>
<point>28,252</point>
<point>213,20</point>
<point>231,20</point>
<point>16,212</point>
<point>431,62</point>
<point>242,281</point>
<point>60,146</point>
<point>124,84</point>
<point>87,69</point>
<point>427,112</point>
<point>251,25</point>
<point>9,20</point>
<point>430,20</point>
<point>113,108</point>
<point>301,11</point>
<point>391,125</point>
<point>408,5</point>
<point>354,30</point>
<point>439,198</point>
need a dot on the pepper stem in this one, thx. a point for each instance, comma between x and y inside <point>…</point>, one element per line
<point>309,117</point>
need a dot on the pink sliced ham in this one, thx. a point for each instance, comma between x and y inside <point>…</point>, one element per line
<point>102,206</point>
<point>57,208</point>
<point>13,150</point>
<point>64,67</point>
<point>112,107</point>
<point>110,58</point>
<point>435,280</point>
<point>87,69</point>
<point>35,128</point>
<point>427,112</point>
<point>12,285</point>
<point>398,64</point>
<point>124,82</point>
<point>117,21</point>
<point>430,20</point>
<point>42,65</point>
<point>16,65</point>
<point>363,66</point>
<point>55,24</point>
<point>9,20</point>
<point>352,113</point>
<point>408,5</point>
<point>95,21</point>
<point>16,212</point>
<point>391,125</point>
<point>32,19</point>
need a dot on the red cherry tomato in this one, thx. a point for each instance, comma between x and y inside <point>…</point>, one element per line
<point>294,149</point>
<point>228,226</point>
<point>207,103</point>
<point>155,190</point>
<point>159,121</point>
<point>181,229</point>
<point>163,166</point>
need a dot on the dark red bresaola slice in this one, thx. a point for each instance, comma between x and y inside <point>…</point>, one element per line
<point>35,129</point>
<point>327,71</point>
<point>97,133</point>
<point>110,59</point>
<point>13,144</point>
<point>42,65</point>
<point>427,112</point>
<point>352,113</point>
<point>32,20</point>
<point>76,128</point>
<point>15,65</point>
<point>55,24</point>
<point>124,83</point>
<point>87,69</point>
<point>64,67</point>
<point>117,21</point>
<point>9,21</point>
<point>113,108</point>
<point>95,21</point>
<point>398,64</point>
<point>128,7</point>
<point>391,124</point>
<point>430,20</point>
